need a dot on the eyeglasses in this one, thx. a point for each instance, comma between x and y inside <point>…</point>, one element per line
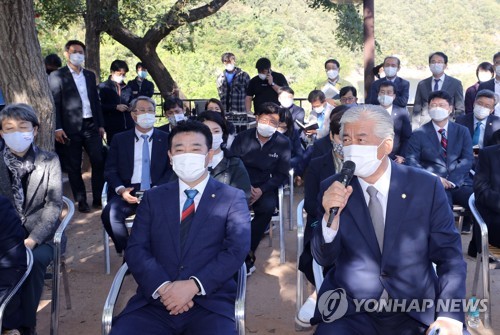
<point>347,99</point>
<point>144,111</point>
<point>270,122</point>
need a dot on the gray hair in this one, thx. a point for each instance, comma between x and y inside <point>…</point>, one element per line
<point>384,126</point>
<point>133,104</point>
<point>21,112</point>
<point>487,94</point>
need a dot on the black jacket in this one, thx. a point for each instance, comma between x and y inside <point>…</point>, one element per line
<point>231,171</point>
<point>146,89</point>
<point>115,120</point>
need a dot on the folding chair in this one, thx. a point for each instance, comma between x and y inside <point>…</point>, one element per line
<point>280,219</point>
<point>128,223</point>
<point>59,268</point>
<point>109,305</point>
<point>482,262</point>
<point>289,192</point>
<point>299,299</point>
<point>29,261</point>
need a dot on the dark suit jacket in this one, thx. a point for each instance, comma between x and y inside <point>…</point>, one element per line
<point>120,162</point>
<point>487,190</point>
<point>12,250</point>
<point>68,103</point>
<point>492,125</point>
<point>487,85</point>
<point>115,120</point>
<point>43,196</point>
<point>402,92</point>
<point>451,85</point>
<point>232,172</point>
<point>217,244</point>
<point>147,88</point>
<point>419,230</point>
<point>424,151</point>
<point>402,130</point>
<point>298,113</point>
<point>470,97</point>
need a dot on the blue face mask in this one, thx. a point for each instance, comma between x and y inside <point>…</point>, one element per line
<point>142,74</point>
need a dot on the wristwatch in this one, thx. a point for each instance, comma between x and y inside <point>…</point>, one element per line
<point>273,84</point>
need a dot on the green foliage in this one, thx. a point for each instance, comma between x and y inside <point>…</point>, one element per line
<point>59,14</point>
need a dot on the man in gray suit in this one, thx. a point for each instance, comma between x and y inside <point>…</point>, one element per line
<point>438,63</point>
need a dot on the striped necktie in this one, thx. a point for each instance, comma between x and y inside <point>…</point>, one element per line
<point>187,214</point>
<point>444,140</point>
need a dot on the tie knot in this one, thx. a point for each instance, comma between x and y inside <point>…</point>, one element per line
<point>191,193</point>
<point>372,191</point>
<point>145,137</point>
<point>442,131</point>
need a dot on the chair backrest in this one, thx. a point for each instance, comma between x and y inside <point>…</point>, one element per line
<point>104,195</point>
<point>29,261</point>
<point>299,299</point>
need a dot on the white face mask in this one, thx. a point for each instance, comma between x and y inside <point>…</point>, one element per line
<point>18,141</point>
<point>146,121</point>
<point>189,167</point>
<point>319,109</point>
<point>173,120</point>
<point>390,71</point>
<point>262,76</point>
<point>216,141</point>
<point>484,76</point>
<point>436,68</point>
<point>481,112</point>
<point>76,59</point>
<point>365,158</point>
<point>332,74</point>
<point>265,130</point>
<point>385,100</point>
<point>497,70</point>
<point>230,67</point>
<point>286,102</point>
<point>117,78</point>
<point>438,114</point>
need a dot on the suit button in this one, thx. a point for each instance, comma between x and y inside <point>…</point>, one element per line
<point>182,267</point>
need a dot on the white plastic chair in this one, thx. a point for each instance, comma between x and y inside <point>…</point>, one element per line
<point>29,262</point>
<point>109,305</point>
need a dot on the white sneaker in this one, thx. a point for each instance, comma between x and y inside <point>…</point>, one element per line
<point>306,312</point>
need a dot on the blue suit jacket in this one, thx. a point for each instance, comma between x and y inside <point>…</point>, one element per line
<point>492,125</point>
<point>120,161</point>
<point>419,231</point>
<point>424,151</point>
<point>402,130</point>
<point>217,244</point>
<point>402,92</point>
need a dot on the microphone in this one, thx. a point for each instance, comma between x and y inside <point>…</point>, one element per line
<point>345,178</point>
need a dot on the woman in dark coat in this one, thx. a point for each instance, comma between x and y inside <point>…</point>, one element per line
<point>226,169</point>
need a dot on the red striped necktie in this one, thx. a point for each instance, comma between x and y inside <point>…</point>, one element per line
<point>444,140</point>
<point>187,214</point>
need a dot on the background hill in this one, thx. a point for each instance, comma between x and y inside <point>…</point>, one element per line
<point>298,40</point>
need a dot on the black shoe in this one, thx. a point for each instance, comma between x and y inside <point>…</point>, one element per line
<point>83,207</point>
<point>97,204</point>
<point>472,252</point>
<point>466,228</point>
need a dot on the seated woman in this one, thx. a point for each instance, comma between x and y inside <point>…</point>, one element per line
<point>225,168</point>
<point>216,106</point>
<point>31,179</point>
<point>286,128</point>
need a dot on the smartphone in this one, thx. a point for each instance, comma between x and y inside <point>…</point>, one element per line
<point>139,195</point>
<point>67,141</point>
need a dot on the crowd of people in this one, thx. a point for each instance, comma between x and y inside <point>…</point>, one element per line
<point>193,183</point>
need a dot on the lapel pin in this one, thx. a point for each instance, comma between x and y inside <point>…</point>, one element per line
<point>213,195</point>
<point>403,196</point>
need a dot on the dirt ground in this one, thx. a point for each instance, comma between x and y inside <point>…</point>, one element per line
<point>271,290</point>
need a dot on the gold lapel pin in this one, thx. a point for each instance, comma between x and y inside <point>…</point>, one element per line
<point>403,196</point>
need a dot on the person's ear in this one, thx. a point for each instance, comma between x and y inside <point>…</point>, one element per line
<point>170,157</point>
<point>386,148</point>
<point>35,131</point>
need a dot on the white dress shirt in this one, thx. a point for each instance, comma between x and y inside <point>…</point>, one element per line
<point>81,85</point>
<point>382,185</point>
<point>436,128</point>
<point>440,82</point>
<point>182,199</point>
<point>497,91</point>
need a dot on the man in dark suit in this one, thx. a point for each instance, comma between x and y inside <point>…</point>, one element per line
<point>392,65</point>
<point>444,149</point>
<point>140,85</point>
<point>79,122</point>
<point>386,96</point>
<point>189,238</point>
<point>125,168</point>
<point>438,62</point>
<point>285,97</point>
<point>393,223</point>
<point>482,123</point>
<point>493,84</point>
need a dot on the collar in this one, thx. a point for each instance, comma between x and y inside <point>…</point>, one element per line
<point>440,78</point>
<point>216,159</point>
<point>389,109</point>
<point>436,128</point>
<point>200,187</point>
<point>382,184</point>
<point>483,121</point>
<point>74,72</point>
<point>138,134</point>
<point>334,82</point>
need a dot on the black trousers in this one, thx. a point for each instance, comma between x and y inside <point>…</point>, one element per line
<point>113,218</point>
<point>89,139</point>
<point>263,209</point>
<point>460,196</point>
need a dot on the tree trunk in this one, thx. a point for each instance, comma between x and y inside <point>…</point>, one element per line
<point>92,37</point>
<point>369,43</point>
<point>162,78</point>
<point>22,73</point>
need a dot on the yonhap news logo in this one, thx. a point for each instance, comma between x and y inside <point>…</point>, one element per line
<point>332,305</point>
